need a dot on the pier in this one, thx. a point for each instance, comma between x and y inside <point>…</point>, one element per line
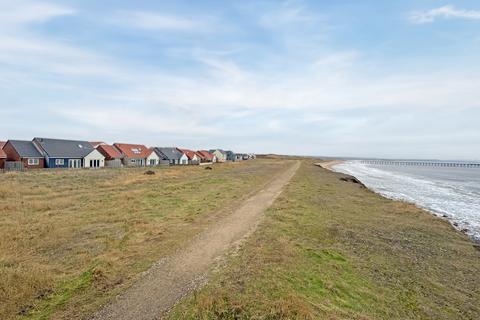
<point>420,163</point>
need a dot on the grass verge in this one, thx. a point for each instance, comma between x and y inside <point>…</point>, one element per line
<point>70,240</point>
<point>330,249</point>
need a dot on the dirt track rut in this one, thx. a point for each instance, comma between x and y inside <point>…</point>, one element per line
<point>172,278</point>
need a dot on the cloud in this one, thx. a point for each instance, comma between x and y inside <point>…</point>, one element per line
<point>446,12</point>
<point>288,13</point>
<point>15,13</point>
<point>156,21</point>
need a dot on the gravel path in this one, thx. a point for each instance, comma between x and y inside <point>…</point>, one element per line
<point>174,277</point>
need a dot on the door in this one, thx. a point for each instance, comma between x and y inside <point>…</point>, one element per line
<point>74,163</point>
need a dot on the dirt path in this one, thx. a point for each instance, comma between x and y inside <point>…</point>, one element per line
<point>174,277</point>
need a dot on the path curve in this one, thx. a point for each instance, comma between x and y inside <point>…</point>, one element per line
<point>172,278</point>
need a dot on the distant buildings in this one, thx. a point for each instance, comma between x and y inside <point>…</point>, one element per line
<point>60,153</point>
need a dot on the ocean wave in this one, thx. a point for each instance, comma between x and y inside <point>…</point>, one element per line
<point>444,195</point>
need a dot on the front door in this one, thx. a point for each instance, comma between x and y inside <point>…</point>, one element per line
<point>74,163</point>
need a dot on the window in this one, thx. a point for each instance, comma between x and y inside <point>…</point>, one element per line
<point>94,163</point>
<point>59,162</point>
<point>33,162</point>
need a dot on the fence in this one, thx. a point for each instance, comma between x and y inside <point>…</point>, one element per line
<point>117,163</point>
<point>14,166</point>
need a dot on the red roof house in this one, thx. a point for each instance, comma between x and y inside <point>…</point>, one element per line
<point>109,152</point>
<point>193,157</point>
<point>133,154</point>
<point>206,156</point>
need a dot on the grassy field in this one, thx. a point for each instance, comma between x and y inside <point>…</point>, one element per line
<point>330,249</point>
<point>69,240</point>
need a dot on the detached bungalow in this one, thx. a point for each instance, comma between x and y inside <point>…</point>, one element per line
<point>206,156</point>
<point>192,156</point>
<point>24,152</point>
<point>69,153</point>
<point>231,156</point>
<point>153,159</point>
<point>219,154</point>
<point>172,155</point>
<point>134,155</point>
<point>3,155</point>
<point>113,157</point>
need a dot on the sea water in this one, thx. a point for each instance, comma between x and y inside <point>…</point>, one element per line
<point>450,192</point>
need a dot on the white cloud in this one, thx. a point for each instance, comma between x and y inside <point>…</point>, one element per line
<point>286,14</point>
<point>162,22</point>
<point>27,52</point>
<point>15,13</point>
<point>446,12</point>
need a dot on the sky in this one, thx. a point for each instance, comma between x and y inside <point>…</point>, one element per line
<point>370,78</point>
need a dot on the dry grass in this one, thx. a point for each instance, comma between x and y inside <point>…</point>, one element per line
<point>332,250</point>
<point>69,240</point>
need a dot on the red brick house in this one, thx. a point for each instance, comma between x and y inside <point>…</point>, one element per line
<point>24,152</point>
<point>3,155</point>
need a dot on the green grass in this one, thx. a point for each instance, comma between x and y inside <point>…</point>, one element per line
<point>330,249</point>
<point>70,240</point>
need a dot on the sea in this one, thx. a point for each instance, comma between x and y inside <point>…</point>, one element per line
<point>449,192</point>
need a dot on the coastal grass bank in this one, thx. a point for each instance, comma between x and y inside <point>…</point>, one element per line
<point>70,240</point>
<point>331,249</point>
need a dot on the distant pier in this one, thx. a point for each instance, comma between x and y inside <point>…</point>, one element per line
<point>424,163</point>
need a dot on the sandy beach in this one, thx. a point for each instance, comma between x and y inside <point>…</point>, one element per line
<point>329,164</point>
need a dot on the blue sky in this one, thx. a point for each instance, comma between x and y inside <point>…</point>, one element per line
<point>347,78</point>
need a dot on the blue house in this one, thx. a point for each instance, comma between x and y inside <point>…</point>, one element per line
<point>63,153</point>
<point>231,156</point>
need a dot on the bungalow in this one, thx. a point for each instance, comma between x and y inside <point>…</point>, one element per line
<point>219,154</point>
<point>94,160</point>
<point>239,157</point>
<point>206,156</point>
<point>113,157</point>
<point>134,155</point>
<point>153,159</point>
<point>172,155</point>
<point>3,155</point>
<point>192,156</point>
<point>60,153</point>
<point>25,153</point>
<point>231,156</point>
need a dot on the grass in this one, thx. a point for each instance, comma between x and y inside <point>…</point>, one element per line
<point>70,240</point>
<point>330,249</point>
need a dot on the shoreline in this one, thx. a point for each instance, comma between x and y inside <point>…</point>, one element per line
<point>325,234</point>
<point>329,166</point>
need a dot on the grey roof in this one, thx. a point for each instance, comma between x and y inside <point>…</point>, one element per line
<point>56,148</point>
<point>25,149</point>
<point>169,153</point>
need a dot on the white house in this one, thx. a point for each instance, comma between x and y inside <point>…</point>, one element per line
<point>153,159</point>
<point>221,156</point>
<point>94,160</point>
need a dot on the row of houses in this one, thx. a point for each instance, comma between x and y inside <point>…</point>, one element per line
<point>59,153</point>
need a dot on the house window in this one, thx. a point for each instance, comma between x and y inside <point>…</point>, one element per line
<point>33,162</point>
<point>94,163</point>
<point>152,162</point>
<point>59,162</point>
